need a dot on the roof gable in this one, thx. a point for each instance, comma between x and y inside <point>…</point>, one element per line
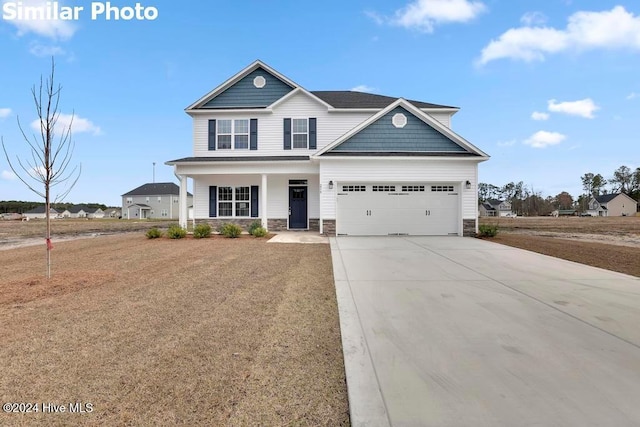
<point>422,135</point>
<point>415,136</point>
<point>245,94</point>
<point>240,91</point>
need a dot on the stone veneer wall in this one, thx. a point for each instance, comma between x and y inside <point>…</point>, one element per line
<point>329,227</point>
<point>314,224</point>
<point>217,223</point>
<point>469,227</point>
<point>277,224</point>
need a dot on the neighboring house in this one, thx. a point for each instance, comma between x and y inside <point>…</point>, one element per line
<point>96,213</point>
<point>497,208</point>
<point>112,213</point>
<point>80,211</point>
<point>617,204</point>
<point>345,162</point>
<point>64,214</point>
<point>40,213</point>
<point>155,200</point>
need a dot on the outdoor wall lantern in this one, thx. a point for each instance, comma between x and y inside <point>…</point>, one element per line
<point>330,185</point>
<point>468,185</point>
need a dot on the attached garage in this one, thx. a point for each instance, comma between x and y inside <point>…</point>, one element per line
<point>382,208</point>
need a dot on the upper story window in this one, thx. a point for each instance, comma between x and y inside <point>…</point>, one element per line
<point>129,200</point>
<point>233,134</point>
<point>300,133</point>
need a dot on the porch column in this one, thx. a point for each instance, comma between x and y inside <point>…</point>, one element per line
<point>263,201</point>
<point>183,216</point>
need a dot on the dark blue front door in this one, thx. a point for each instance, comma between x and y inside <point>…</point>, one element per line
<point>297,207</point>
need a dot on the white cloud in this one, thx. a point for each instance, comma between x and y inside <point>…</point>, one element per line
<point>5,112</point>
<point>424,15</point>
<point>41,50</point>
<point>543,139</point>
<point>8,175</point>
<point>533,18</point>
<point>536,115</point>
<point>79,125</point>
<point>632,95</point>
<point>612,29</point>
<point>364,88</point>
<point>583,108</point>
<point>52,28</point>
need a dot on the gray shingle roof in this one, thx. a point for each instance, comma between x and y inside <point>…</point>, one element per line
<point>353,99</point>
<point>40,210</point>
<point>606,198</point>
<point>156,189</point>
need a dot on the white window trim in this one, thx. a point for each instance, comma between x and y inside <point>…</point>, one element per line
<point>293,147</point>
<point>233,134</point>
<point>233,201</point>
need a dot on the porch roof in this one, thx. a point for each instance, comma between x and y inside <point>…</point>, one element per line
<point>238,159</point>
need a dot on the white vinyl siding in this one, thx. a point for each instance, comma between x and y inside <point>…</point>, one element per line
<point>443,118</point>
<point>277,192</point>
<point>330,126</point>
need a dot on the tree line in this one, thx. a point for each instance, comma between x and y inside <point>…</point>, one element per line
<point>14,206</point>
<point>529,202</point>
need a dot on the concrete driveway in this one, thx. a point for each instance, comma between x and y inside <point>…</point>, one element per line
<point>453,331</point>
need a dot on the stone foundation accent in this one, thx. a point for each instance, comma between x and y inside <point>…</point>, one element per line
<point>277,224</point>
<point>217,223</point>
<point>314,224</point>
<point>329,227</point>
<point>469,227</point>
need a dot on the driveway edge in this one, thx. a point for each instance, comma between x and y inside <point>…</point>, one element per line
<point>366,403</point>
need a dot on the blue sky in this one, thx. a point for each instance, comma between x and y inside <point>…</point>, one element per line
<point>551,90</point>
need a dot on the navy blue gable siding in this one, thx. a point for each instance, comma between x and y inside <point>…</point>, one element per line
<point>383,136</point>
<point>244,94</point>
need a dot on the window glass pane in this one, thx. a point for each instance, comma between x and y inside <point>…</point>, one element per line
<point>242,193</point>
<point>242,126</point>
<point>224,142</point>
<point>241,141</point>
<point>225,209</point>
<point>300,140</point>
<point>225,193</point>
<point>242,208</point>
<point>299,125</point>
<point>224,126</point>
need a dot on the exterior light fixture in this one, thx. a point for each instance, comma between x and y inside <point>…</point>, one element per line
<point>468,185</point>
<point>330,185</point>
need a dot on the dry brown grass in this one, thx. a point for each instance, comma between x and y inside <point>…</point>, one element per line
<point>163,332</point>
<point>612,243</point>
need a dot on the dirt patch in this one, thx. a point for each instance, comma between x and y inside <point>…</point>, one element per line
<point>620,258</point>
<point>192,332</point>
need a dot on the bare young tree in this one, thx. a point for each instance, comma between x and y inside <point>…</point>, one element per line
<point>51,151</point>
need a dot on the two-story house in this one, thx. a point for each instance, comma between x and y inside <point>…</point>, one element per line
<point>154,201</point>
<point>342,162</point>
<point>615,204</point>
<point>496,208</point>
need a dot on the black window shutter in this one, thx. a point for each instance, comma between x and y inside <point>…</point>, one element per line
<point>287,134</point>
<point>254,201</point>
<point>213,201</point>
<point>313,140</point>
<point>253,134</point>
<point>212,134</point>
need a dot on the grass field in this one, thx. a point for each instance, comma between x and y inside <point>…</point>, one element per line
<point>162,332</point>
<point>572,224</point>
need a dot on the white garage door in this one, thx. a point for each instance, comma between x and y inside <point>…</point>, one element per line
<point>380,209</point>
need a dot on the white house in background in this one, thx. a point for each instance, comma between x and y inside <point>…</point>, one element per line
<point>153,200</point>
<point>616,204</point>
<point>496,208</point>
<point>112,213</point>
<point>40,213</point>
<point>342,162</point>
